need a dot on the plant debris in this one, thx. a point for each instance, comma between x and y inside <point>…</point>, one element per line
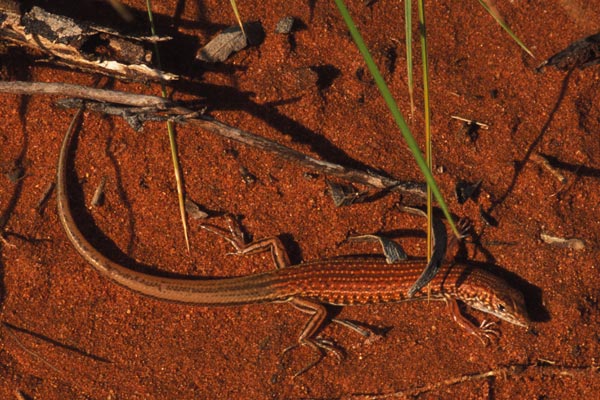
<point>194,211</point>
<point>393,251</point>
<point>229,41</point>
<point>98,198</point>
<point>440,245</point>
<point>470,128</point>
<point>571,243</point>
<point>345,194</point>
<point>79,44</point>
<point>580,54</point>
<point>285,25</point>
<point>545,162</point>
<point>465,190</point>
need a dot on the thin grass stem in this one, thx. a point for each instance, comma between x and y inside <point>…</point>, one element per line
<point>397,115</point>
<point>172,142</point>
<point>493,11</point>
<point>427,117</point>
<point>409,59</point>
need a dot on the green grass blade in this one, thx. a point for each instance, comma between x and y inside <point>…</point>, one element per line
<point>491,9</point>
<point>393,107</point>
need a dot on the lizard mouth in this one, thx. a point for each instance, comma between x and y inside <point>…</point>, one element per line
<point>519,317</point>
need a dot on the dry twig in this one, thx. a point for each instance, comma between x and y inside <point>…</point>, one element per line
<point>541,368</point>
<point>180,114</point>
<point>78,44</point>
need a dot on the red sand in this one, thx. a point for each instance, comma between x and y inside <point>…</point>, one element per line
<point>106,342</point>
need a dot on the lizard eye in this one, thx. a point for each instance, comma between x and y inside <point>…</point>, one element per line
<point>501,308</point>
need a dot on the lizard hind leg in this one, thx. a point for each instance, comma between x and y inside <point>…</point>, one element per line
<point>308,336</point>
<point>235,236</point>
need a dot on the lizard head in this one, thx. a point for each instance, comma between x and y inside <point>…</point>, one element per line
<point>505,302</point>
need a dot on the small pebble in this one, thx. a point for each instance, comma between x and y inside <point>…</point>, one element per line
<point>285,25</point>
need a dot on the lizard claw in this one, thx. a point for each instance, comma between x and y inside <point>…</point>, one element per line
<point>321,347</point>
<point>464,226</point>
<point>486,332</point>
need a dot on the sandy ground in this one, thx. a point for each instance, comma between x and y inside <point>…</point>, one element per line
<point>70,334</point>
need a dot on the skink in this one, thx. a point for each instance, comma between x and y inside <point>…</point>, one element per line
<point>307,286</point>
